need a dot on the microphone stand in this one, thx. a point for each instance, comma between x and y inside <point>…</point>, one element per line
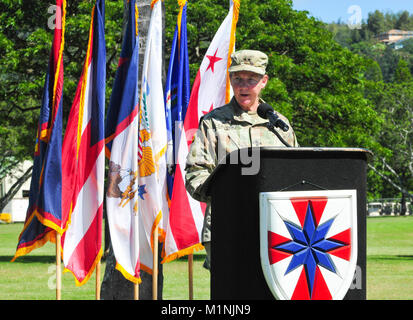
<point>272,129</point>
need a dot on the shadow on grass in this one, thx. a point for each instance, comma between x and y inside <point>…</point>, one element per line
<point>406,257</point>
<point>52,259</point>
<point>29,259</point>
<point>197,257</point>
<point>389,257</point>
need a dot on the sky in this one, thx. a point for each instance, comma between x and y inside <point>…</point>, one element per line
<point>350,10</point>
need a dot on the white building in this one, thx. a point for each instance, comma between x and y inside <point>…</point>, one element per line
<point>17,207</point>
<point>394,35</point>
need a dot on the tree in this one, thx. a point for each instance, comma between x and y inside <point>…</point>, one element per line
<point>395,165</point>
<point>373,71</point>
<point>313,80</point>
<point>403,23</point>
<point>402,73</point>
<point>388,81</point>
<point>376,23</point>
<point>388,61</point>
<point>26,32</point>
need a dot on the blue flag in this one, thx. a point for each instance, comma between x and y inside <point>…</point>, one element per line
<point>43,215</point>
<point>126,80</point>
<point>177,89</point>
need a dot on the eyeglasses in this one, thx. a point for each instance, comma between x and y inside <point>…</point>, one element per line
<point>250,82</point>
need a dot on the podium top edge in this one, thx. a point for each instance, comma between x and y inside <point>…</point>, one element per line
<point>320,149</point>
<point>314,150</point>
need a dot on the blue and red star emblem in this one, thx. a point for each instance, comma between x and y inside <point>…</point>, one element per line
<point>309,247</point>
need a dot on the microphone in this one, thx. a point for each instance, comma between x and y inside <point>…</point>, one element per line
<point>267,112</point>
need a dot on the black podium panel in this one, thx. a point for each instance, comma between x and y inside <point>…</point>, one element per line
<point>236,271</point>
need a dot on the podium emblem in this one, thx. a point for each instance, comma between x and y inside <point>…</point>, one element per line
<point>308,243</point>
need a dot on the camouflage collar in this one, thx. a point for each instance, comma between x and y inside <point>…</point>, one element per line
<point>243,116</point>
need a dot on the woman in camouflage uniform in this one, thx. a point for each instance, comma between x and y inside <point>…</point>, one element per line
<point>233,126</point>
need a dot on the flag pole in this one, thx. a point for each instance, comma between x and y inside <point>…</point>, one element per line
<point>155,265</point>
<point>190,276</point>
<point>136,291</point>
<point>98,280</point>
<point>136,246</point>
<point>58,268</point>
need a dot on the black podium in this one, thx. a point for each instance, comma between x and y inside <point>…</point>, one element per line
<point>235,187</point>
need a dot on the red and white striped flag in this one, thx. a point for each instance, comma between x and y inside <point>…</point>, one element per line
<point>210,90</point>
<point>83,160</point>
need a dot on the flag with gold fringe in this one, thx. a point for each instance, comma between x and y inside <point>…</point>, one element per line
<point>177,88</point>
<point>43,217</point>
<point>152,186</point>
<point>83,159</point>
<point>211,89</point>
<point>121,133</point>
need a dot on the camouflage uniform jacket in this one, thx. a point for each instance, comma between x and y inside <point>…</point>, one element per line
<point>220,132</point>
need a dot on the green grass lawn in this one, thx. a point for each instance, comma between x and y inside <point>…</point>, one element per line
<point>389,267</point>
<point>390,258</point>
<point>34,276</point>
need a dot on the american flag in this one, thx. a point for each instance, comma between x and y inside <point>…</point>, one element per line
<point>83,164</point>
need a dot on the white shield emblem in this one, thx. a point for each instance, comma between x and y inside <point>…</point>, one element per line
<point>308,243</point>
